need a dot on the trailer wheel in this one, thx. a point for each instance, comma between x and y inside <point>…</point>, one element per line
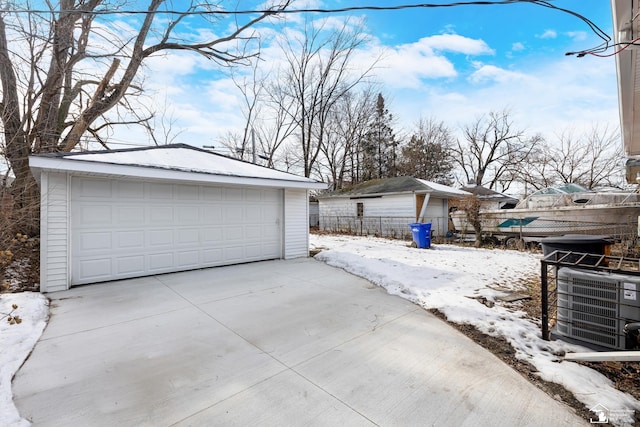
<point>513,243</point>
<point>491,240</point>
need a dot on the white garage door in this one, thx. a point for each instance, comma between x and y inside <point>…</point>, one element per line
<point>122,229</point>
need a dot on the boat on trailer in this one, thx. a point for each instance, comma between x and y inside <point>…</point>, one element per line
<point>559,210</point>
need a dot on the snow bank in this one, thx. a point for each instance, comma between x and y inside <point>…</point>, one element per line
<point>16,342</point>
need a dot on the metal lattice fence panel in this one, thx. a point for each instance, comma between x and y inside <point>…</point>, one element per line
<point>394,227</point>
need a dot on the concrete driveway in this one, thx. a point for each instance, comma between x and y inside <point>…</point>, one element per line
<point>279,343</point>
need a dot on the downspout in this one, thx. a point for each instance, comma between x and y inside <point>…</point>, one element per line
<point>424,206</point>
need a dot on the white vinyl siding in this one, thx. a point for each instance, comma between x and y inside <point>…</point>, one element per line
<point>340,213</point>
<point>296,214</point>
<point>437,214</point>
<point>402,205</point>
<point>54,224</point>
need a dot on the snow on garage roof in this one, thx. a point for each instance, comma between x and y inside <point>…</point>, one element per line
<point>175,161</point>
<point>399,184</point>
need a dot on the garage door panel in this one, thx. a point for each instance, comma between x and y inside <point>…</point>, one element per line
<point>187,237</point>
<point>95,269</point>
<point>125,229</point>
<point>212,214</point>
<point>233,215</point>
<point>186,192</point>
<point>270,234</point>
<point>234,234</point>
<point>160,261</point>
<point>159,191</point>
<point>233,194</point>
<point>129,189</point>
<point>233,254</point>
<point>213,234</point>
<point>188,259</point>
<point>254,214</point>
<point>130,239</point>
<point>253,232</point>
<point>129,265</point>
<point>212,256</point>
<point>95,215</point>
<point>188,214</point>
<point>160,238</point>
<point>211,194</point>
<point>161,215</point>
<point>92,188</point>
<point>253,251</point>
<point>95,241</point>
<point>129,216</point>
<point>271,249</point>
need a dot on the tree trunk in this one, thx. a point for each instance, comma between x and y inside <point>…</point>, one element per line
<point>24,215</point>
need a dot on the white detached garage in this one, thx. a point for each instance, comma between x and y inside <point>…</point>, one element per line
<point>117,214</point>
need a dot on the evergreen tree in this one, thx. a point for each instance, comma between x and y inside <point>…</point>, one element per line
<point>427,155</point>
<point>379,146</point>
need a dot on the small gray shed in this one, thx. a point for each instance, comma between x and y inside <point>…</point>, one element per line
<point>117,214</point>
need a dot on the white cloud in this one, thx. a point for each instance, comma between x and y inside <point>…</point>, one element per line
<point>517,47</point>
<point>407,65</point>
<point>545,98</point>
<point>548,34</point>
<point>577,36</point>
<point>456,44</point>
<point>491,73</point>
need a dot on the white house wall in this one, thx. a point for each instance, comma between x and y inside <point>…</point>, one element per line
<point>296,223</point>
<point>387,215</point>
<point>437,214</point>
<point>401,205</point>
<point>54,232</point>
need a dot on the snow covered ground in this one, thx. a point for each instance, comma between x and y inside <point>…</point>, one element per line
<point>452,279</point>
<point>16,342</point>
<point>446,277</point>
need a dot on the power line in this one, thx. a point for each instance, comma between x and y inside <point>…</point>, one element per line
<point>288,11</point>
<point>606,39</point>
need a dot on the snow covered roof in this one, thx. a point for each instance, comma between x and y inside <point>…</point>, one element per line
<point>401,184</point>
<point>440,188</point>
<point>487,193</point>
<point>175,161</point>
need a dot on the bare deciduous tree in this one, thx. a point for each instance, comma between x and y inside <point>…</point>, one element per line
<point>58,88</point>
<point>593,159</point>
<point>346,128</point>
<point>316,75</point>
<point>493,150</point>
<point>267,124</point>
<point>471,206</point>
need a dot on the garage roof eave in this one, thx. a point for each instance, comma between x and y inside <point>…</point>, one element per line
<point>39,164</point>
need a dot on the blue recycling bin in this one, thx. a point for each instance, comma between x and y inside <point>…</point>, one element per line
<point>421,234</point>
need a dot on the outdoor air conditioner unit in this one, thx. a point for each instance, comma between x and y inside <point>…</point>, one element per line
<point>593,307</point>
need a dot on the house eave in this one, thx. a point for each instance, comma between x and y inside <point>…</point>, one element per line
<point>434,193</point>
<point>369,195</point>
<point>73,166</point>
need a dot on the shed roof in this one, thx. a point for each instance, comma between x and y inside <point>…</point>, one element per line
<point>401,184</point>
<point>488,194</point>
<point>175,161</point>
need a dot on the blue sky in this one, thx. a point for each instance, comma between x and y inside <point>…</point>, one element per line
<point>452,64</point>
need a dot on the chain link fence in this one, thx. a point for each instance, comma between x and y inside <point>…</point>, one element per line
<point>380,226</point>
